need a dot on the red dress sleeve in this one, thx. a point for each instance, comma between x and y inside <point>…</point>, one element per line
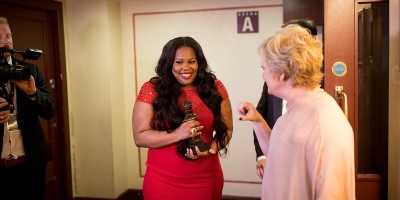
<point>221,89</point>
<point>147,93</point>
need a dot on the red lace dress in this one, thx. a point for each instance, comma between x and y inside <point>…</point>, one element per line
<point>171,177</point>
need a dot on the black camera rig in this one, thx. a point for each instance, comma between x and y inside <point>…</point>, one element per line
<point>17,72</point>
<point>14,72</point>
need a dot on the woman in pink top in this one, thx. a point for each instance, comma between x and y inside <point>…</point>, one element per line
<point>310,151</point>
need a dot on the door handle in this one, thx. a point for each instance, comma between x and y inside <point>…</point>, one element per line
<point>52,83</point>
<point>339,94</point>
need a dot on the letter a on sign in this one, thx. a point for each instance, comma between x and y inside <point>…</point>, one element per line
<point>247,26</point>
<point>247,22</point>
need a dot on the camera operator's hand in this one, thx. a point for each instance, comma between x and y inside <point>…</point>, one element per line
<point>4,114</point>
<point>28,86</point>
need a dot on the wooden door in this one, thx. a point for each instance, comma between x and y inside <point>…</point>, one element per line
<point>355,45</point>
<point>36,25</point>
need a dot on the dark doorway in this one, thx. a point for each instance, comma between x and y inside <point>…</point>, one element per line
<point>38,24</point>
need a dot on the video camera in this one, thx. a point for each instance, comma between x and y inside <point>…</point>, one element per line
<point>14,72</point>
<point>17,72</point>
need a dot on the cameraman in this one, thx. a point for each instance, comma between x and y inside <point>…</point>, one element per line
<point>24,148</point>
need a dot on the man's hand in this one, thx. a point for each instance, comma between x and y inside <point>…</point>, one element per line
<point>28,86</point>
<point>260,167</point>
<point>4,114</point>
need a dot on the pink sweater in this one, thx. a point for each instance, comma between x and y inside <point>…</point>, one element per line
<point>311,152</point>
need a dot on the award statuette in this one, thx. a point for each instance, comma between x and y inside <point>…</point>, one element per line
<point>196,140</point>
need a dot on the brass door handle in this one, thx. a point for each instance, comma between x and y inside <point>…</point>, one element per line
<point>339,94</point>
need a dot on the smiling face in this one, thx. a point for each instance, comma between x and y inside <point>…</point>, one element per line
<point>185,66</point>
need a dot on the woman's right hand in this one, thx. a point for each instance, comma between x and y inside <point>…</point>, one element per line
<point>247,112</point>
<point>189,129</point>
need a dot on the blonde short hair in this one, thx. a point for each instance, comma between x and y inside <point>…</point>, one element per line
<point>3,20</point>
<point>294,52</point>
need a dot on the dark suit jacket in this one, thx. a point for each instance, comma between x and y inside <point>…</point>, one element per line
<point>35,143</point>
<point>270,107</point>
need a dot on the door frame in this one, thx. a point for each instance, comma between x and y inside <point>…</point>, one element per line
<point>341,45</point>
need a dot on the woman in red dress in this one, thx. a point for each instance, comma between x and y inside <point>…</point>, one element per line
<point>175,170</point>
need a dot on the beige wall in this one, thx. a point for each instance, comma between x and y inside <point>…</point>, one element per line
<point>394,100</point>
<point>101,78</point>
<point>99,119</point>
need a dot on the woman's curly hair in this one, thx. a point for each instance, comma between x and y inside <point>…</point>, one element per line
<point>168,116</point>
<point>297,54</point>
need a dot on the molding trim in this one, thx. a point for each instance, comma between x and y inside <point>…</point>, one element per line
<point>134,194</point>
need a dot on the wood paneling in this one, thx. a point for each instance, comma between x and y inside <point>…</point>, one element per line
<point>303,9</point>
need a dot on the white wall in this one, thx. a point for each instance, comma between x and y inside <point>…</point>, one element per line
<point>102,85</point>
<point>232,56</point>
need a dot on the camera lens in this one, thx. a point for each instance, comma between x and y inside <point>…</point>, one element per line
<point>11,72</point>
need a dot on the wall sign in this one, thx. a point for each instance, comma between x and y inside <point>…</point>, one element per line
<point>247,22</point>
<point>339,69</point>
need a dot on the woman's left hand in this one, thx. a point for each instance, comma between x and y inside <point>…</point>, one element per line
<point>190,154</point>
